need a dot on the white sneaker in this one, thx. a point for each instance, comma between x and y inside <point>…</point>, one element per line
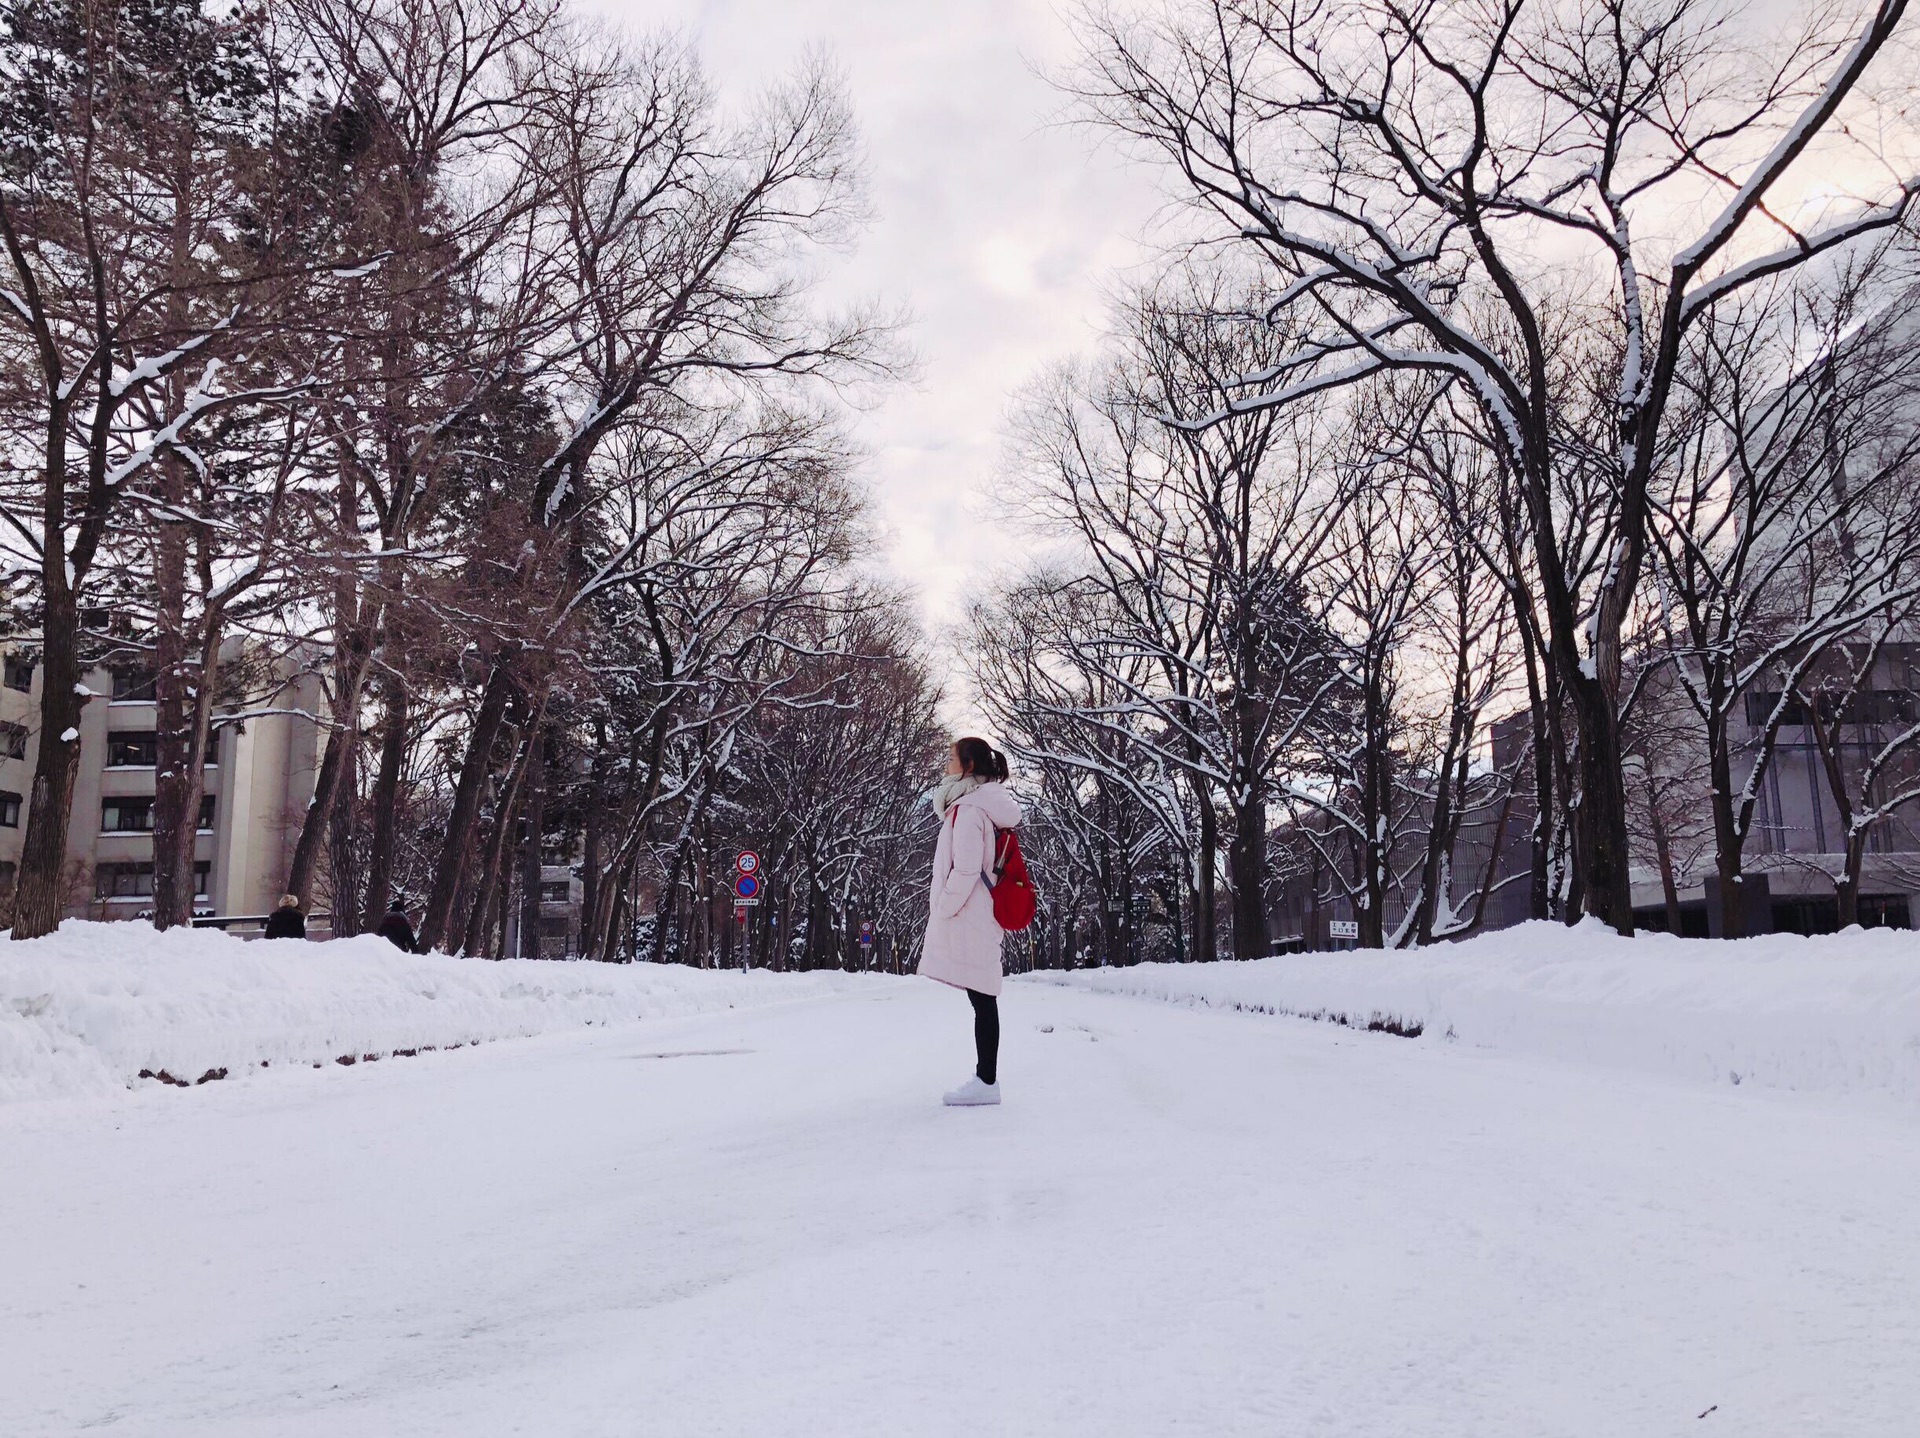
<point>973,1093</point>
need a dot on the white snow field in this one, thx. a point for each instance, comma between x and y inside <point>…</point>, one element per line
<point>88,1009</point>
<point>1836,1013</point>
<point>759,1221</point>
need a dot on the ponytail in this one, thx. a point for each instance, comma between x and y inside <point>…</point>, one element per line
<point>979,758</point>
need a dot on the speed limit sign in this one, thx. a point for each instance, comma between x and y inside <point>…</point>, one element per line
<point>748,862</point>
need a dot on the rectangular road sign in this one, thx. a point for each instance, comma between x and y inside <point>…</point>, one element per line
<point>1344,928</point>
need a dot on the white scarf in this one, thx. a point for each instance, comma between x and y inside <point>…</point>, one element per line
<point>952,787</point>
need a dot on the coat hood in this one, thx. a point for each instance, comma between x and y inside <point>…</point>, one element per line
<point>999,806</point>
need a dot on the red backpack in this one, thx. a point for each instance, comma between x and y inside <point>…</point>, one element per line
<point>1014,898</point>
<point>1015,901</point>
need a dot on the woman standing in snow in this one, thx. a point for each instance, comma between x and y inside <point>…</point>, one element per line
<point>962,946</point>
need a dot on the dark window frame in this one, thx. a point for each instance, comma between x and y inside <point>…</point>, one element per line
<point>117,737</point>
<point>140,803</point>
<point>131,684</point>
<point>107,879</point>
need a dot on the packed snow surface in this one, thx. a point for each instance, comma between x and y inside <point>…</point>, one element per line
<point>759,1221</point>
<point>1836,1013</point>
<point>89,1009</point>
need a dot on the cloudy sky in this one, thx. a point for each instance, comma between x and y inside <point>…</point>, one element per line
<point>998,227</point>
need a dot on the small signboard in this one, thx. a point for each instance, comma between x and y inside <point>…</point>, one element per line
<point>747,888</point>
<point>866,933</point>
<point>1343,928</point>
<point>748,862</point>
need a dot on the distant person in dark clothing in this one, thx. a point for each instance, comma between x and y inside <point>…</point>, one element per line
<point>287,922</point>
<point>395,928</point>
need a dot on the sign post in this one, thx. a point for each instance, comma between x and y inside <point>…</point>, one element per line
<point>746,881</point>
<point>746,894</point>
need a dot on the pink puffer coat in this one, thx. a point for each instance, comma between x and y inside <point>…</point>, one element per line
<point>963,941</point>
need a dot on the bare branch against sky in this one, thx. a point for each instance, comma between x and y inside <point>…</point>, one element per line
<point>999,229</point>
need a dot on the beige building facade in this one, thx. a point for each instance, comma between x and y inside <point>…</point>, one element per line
<point>258,786</point>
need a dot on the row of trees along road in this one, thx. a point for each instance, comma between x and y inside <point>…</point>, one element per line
<point>462,353</point>
<point>1510,359</point>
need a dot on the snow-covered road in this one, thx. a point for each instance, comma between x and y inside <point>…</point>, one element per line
<point>762,1223</point>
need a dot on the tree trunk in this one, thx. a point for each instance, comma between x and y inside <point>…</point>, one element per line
<point>333,771</point>
<point>1205,936</point>
<point>1600,822</point>
<point>1376,798</point>
<point>174,823</point>
<point>1846,888</point>
<point>1663,853</point>
<point>436,923</point>
<point>1436,865</point>
<point>533,817</point>
<point>43,856</point>
<point>176,780</point>
<point>485,896</point>
<point>1247,864</point>
<point>592,842</point>
<point>386,802</point>
<point>198,726</point>
<point>342,864</point>
<point>1727,845</point>
<point>1540,838</point>
<point>663,908</point>
<point>1846,893</point>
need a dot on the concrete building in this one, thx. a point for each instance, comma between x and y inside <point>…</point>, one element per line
<point>257,790</point>
<point>560,897</point>
<point>1798,839</point>
<point>1789,862</point>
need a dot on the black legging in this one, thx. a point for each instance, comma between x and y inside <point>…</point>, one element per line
<point>986,1035</point>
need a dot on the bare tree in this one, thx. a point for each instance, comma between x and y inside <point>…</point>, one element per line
<point>1199,540</point>
<point>1782,519</point>
<point>134,307</point>
<point>1397,168</point>
<point>1103,798</point>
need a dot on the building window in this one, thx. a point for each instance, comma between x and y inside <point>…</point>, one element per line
<point>1866,707</point>
<point>133,682</point>
<point>13,741</point>
<point>135,881</point>
<point>126,816</point>
<point>131,749</point>
<point>134,815</point>
<point>556,891</point>
<point>123,881</point>
<point>19,674</point>
<point>9,810</point>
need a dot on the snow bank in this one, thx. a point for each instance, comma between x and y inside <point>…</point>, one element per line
<point>1837,1013</point>
<point>88,1009</point>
